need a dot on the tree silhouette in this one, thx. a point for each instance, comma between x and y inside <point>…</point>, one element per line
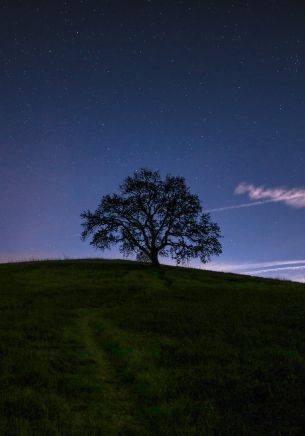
<point>153,217</point>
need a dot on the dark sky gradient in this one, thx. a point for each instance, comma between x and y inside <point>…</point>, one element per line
<point>93,90</point>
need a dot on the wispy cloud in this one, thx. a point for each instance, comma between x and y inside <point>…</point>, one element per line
<point>282,268</point>
<point>252,266</point>
<point>276,268</point>
<point>294,197</point>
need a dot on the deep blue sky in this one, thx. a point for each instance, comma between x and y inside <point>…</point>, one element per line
<point>210,90</point>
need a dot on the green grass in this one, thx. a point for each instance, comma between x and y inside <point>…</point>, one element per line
<point>95,347</point>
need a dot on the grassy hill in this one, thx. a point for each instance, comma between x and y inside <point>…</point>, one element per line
<point>118,348</point>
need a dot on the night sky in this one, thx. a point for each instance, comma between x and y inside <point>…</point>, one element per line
<point>213,91</point>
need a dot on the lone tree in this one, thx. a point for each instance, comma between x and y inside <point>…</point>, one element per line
<point>153,217</point>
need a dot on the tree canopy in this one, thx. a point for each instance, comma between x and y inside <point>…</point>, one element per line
<point>152,217</point>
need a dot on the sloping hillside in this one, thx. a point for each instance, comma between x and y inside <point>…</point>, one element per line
<point>95,347</point>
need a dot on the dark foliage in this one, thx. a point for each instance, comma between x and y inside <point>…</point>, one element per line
<point>153,217</point>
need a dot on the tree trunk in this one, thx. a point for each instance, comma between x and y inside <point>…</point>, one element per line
<point>154,258</point>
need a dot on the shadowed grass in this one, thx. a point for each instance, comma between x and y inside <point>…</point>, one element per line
<point>119,348</point>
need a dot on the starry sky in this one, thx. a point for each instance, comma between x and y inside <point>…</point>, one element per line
<point>211,90</point>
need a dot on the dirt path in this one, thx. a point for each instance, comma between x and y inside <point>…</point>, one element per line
<point>124,410</point>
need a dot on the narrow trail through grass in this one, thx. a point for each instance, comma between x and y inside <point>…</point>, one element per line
<point>123,416</point>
